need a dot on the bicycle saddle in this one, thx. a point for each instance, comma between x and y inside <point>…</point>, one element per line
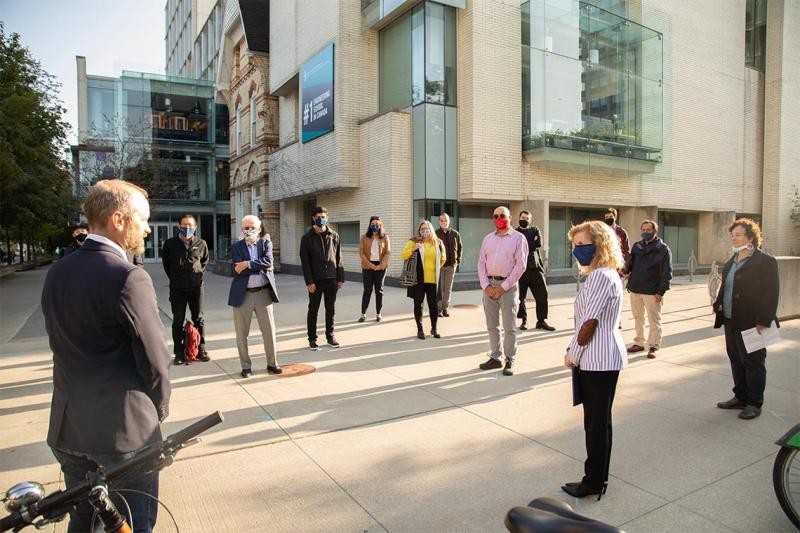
<point>548,515</point>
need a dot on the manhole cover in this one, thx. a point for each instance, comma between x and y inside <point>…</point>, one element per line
<point>465,306</point>
<point>290,371</point>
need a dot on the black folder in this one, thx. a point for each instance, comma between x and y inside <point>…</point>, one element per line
<point>577,399</point>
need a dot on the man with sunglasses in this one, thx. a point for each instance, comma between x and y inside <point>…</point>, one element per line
<point>321,260</point>
<point>501,262</point>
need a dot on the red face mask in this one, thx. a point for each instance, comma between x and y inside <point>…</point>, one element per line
<point>501,223</point>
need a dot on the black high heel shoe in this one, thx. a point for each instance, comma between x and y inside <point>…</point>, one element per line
<point>579,490</point>
<point>435,334</point>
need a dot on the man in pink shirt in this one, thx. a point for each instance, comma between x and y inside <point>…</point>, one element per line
<point>501,262</point>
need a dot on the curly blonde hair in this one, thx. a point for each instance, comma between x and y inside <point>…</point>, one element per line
<point>608,254</point>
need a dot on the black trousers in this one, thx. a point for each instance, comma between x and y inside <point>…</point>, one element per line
<point>143,508</point>
<point>433,308</point>
<point>326,288</point>
<point>373,279</point>
<point>749,369</point>
<point>597,390</point>
<point>534,280</point>
<point>179,299</point>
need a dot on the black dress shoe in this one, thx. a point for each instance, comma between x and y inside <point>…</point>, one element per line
<point>507,371</point>
<point>362,318</point>
<point>421,335</point>
<point>202,354</point>
<point>246,373</point>
<point>750,412</point>
<point>274,369</point>
<point>524,325</point>
<point>445,313</point>
<point>179,361</point>
<point>544,325</point>
<point>580,490</point>
<point>491,364</point>
<point>435,334</point>
<point>733,403</point>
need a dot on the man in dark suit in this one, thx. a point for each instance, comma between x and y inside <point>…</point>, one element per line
<point>253,291</point>
<point>110,357</point>
<point>533,277</point>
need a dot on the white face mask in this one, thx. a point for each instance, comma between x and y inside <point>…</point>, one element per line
<point>445,224</point>
<point>250,234</point>
<point>424,233</point>
<point>737,249</point>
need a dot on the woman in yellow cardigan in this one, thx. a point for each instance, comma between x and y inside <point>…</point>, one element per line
<point>431,259</point>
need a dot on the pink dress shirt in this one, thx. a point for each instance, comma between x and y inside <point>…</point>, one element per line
<point>503,255</point>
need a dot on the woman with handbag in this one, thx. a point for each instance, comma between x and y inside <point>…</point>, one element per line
<point>374,250</point>
<point>430,259</point>
<point>597,349</point>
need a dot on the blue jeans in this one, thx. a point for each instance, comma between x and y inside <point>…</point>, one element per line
<point>143,508</point>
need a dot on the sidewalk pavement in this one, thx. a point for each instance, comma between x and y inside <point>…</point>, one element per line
<point>392,433</point>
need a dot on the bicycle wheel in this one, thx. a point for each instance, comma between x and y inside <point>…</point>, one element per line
<point>786,480</point>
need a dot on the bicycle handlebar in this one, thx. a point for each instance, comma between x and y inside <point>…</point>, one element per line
<point>147,460</point>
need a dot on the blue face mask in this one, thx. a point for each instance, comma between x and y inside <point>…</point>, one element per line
<point>321,222</point>
<point>648,235</point>
<point>584,253</point>
<point>375,228</point>
<point>187,232</point>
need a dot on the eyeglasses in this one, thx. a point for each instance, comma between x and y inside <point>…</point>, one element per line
<point>501,215</point>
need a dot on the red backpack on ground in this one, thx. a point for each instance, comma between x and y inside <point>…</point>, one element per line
<point>191,342</point>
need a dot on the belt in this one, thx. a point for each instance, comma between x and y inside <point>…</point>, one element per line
<point>497,278</point>
<point>256,289</point>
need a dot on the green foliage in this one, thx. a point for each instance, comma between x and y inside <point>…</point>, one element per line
<point>34,177</point>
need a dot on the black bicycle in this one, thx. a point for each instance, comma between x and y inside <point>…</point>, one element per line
<point>548,515</point>
<point>28,504</point>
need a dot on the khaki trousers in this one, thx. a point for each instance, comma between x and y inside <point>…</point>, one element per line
<point>641,303</point>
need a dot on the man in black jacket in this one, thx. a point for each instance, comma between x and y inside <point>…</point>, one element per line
<point>184,258</point>
<point>451,239</point>
<point>111,384</point>
<point>533,277</point>
<point>321,259</point>
<point>79,234</point>
<point>649,271</point>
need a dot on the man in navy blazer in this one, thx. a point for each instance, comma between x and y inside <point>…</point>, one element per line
<point>253,291</point>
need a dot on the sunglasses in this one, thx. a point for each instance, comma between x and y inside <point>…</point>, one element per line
<point>501,215</point>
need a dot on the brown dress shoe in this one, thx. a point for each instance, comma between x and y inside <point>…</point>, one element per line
<point>635,348</point>
<point>651,353</point>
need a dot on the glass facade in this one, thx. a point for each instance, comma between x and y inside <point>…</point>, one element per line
<point>679,230</point>
<point>591,81</point>
<point>562,218</point>
<point>168,139</point>
<point>755,34</point>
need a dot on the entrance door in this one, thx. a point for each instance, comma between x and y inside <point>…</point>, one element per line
<point>160,232</point>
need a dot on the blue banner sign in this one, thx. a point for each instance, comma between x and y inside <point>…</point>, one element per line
<point>316,86</point>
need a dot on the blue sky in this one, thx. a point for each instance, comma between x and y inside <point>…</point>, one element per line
<point>112,34</point>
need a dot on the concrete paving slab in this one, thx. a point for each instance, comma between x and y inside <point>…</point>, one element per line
<point>453,471</point>
<point>674,518</point>
<point>743,501</point>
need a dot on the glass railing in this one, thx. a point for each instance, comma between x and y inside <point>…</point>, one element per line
<point>592,81</point>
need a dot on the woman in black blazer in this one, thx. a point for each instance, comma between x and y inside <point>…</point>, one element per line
<point>748,298</point>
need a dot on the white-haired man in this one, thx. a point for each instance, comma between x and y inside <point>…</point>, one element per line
<point>253,290</point>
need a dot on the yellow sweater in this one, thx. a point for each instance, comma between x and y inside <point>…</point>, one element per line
<point>428,259</point>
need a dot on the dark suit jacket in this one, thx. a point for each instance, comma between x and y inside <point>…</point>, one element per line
<point>263,264</point>
<point>110,357</point>
<point>755,292</point>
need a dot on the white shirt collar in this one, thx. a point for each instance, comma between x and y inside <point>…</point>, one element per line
<point>106,240</point>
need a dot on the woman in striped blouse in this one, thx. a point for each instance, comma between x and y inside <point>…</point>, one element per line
<point>597,348</point>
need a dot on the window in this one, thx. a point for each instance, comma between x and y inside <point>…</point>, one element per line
<point>395,64</point>
<point>755,34</point>
<point>349,233</point>
<point>256,210</point>
<point>679,230</point>
<point>253,118</point>
<point>591,81</point>
<point>238,129</point>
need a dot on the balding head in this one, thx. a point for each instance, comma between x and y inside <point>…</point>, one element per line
<point>112,196</point>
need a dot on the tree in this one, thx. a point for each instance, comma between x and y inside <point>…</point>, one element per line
<point>34,177</point>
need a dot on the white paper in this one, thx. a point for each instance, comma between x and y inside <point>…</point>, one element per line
<point>753,341</point>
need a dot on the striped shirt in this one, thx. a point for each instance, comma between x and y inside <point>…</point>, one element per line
<point>601,299</point>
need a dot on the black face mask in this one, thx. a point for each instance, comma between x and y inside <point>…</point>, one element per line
<point>523,223</point>
<point>80,237</point>
<point>610,221</point>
